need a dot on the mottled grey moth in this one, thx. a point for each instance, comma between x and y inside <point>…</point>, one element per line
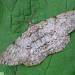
<point>40,40</point>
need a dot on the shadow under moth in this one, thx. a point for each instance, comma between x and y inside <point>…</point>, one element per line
<point>40,40</point>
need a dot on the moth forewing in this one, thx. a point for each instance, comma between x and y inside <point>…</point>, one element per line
<point>40,40</point>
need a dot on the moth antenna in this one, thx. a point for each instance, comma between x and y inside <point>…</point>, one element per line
<point>22,21</point>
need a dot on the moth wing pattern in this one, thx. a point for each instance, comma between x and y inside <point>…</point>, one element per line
<point>40,40</point>
<point>14,55</point>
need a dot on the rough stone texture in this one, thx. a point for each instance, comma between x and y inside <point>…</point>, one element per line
<point>40,40</point>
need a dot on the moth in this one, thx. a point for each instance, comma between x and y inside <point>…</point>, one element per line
<point>40,40</point>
